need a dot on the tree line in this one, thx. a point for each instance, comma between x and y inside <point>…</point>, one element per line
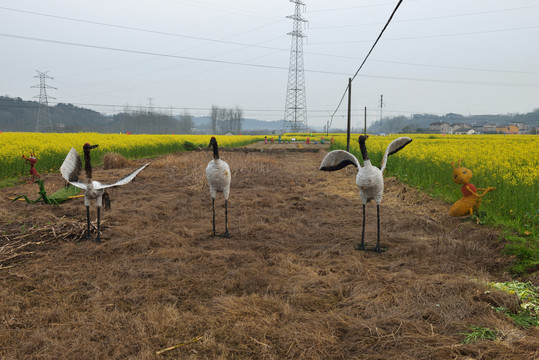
<point>420,122</point>
<point>29,116</point>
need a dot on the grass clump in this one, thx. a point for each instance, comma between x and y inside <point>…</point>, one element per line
<point>528,295</point>
<point>478,333</point>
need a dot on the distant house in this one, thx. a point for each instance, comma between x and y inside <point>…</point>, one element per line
<point>489,129</point>
<point>439,127</point>
<point>459,127</point>
<point>522,127</point>
<point>507,129</point>
<point>466,132</point>
<point>478,129</point>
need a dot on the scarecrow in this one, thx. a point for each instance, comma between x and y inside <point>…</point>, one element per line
<point>471,199</point>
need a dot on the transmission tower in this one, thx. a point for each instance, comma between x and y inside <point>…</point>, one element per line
<point>295,113</point>
<point>43,109</point>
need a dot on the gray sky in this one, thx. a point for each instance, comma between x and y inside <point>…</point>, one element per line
<point>436,56</point>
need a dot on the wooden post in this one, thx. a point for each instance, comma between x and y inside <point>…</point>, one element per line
<point>349,114</point>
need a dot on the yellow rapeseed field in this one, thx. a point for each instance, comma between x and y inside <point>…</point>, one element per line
<point>508,162</point>
<point>511,158</point>
<point>51,148</point>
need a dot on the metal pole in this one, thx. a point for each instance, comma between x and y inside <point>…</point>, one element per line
<point>349,114</point>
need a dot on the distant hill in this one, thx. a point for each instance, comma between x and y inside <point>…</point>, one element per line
<point>421,122</point>
<point>21,115</point>
<point>204,122</point>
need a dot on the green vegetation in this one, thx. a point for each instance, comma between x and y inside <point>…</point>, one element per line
<point>478,333</point>
<point>528,294</point>
<point>513,206</point>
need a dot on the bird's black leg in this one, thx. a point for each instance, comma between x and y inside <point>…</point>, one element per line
<point>378,248</point>
<point>213,208</point>
<point>226,219</point>
<point>88,222</point>
<point>362,245</point>
<point>98,238</point>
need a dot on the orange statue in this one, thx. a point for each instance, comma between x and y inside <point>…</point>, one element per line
<point>471,199</point>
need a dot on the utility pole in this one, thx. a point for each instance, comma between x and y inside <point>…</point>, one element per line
<point>295,112</point>
<point>365,123</point>
<point>43,109</point>
<point>381,105</point>
<point>349,114</point>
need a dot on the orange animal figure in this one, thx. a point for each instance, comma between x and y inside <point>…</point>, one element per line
<point>471,199</point>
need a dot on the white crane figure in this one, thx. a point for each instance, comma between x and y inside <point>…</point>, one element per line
<point>218,174</point>
<point>369,178</point>
<point>71,169</point>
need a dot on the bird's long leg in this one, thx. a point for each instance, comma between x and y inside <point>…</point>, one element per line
<point>213,209</point>
<point>98,238</point>
<point>378,248</point>
<point>226,219</point>
<point>362,245</point>
<point>88,222</point>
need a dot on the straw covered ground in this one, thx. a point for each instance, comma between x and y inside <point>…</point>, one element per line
<point>287,284</point>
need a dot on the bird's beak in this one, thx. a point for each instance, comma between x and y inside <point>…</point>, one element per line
<point>93,146</point>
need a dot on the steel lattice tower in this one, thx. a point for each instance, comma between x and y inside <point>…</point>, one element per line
<point>295,113</point>
<point>43,110</point>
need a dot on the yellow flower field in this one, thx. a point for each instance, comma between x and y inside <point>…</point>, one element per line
<point>52,148</point>
<point>512,158</point>
<point>510,163</point>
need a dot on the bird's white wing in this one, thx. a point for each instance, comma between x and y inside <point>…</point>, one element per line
<point>338,159</point>
<point>125,180</point>
<point>79,185</point>
<point>393,147</point>
<point>71,167</point>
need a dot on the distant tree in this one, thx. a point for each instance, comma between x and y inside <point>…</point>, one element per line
<point>186,123</point>
<point>237,120</point>
<point>224,121</point>
<point>214,116</point>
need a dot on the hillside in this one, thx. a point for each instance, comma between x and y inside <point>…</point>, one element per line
<point>21,115</point>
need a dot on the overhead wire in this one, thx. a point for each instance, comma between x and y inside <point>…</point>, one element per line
<point>365,59</point>
<point>244,45</point>
<point>428,18</point>
<point>227,63</point>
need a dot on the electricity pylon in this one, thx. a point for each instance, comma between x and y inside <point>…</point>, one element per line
<point>43,109</point>
<point>295,113</point>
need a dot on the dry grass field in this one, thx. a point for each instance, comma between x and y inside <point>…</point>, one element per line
<point>287,284</point>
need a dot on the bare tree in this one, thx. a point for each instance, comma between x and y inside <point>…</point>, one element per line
<point>186,123</point>
<point>226,120</point>
<point>214,118</point>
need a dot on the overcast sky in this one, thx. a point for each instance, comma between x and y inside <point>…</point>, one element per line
<point>436,56</point>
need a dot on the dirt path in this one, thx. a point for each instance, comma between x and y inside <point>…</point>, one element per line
<point>287,284</point>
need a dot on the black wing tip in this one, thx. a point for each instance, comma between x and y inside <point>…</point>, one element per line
<point>338,166</point>
<point>400,147</point>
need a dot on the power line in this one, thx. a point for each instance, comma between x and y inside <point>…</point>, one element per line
<point>366,57</point>
<point>261,65</point>
<point>137,29</point>
<point>305,52</point>
<point>436,36</point>
<point>423,19</point>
